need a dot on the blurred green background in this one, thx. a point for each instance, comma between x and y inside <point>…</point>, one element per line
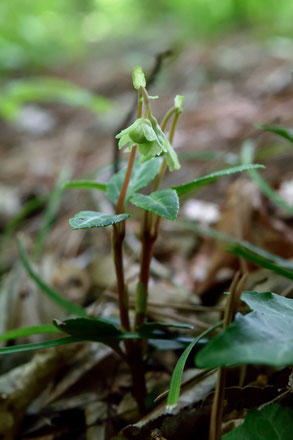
<point>42,34</point>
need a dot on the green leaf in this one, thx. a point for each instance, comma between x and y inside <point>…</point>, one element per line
<point>245,249</point>
<point>28,331</point>
<point>138,78</point>
<point>85,184</point>
<point>263,258</point>
<point>44,89</point>
<point>266,189</point>
<point>164,203</point>
<point>93,219</point>
<point>38,345</point>
<point>247,154</point>
<point>176,379</point>
<point>272,422</point>
<point>262,337</point>
<point>90,329</point>
<point>49,291</point>
<point>285,133</point>
<point>195,184</point>
<point>142,174</point>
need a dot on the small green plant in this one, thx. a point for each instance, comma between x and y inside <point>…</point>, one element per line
<point>147,139</point>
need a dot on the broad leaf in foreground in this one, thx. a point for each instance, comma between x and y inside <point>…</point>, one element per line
<point>262,337</point>
<point>201,181</point>
<point>93,219</point>
<point>272,422</point>
<point>164,203</point>
<point>285,133</point>
<point>142,174</point>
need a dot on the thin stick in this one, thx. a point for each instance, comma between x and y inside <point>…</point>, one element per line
<point>218,401</point>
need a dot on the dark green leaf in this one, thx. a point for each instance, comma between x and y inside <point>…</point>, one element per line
<point>85,184</point>
<point>197,183</point>
<point>164,203</point>
<point>28,331</point>
<point>49,291</point>
<point>142,174</point>
<point>264,336</point>
<point>38,345</point>
<point>176,379</point>
<point>285,133</point>
<point>272,422</point>
<point>93,219</point>
<point>90,329</point>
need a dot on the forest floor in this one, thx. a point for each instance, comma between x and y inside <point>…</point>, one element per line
<point>83,392</point>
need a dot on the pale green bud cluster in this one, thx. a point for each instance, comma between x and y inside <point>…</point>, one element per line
<point>150,140</point>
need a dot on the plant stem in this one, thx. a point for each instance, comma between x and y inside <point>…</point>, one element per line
<point>133,353</point>
<point>118,237</point>
<point>149,236</point>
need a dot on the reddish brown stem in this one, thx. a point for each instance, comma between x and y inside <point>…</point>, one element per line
<point>150,233</point>
<point>118,237</point>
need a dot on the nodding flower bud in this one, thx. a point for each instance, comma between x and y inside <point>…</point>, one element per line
<point>150,139</point>
<point>142,131</point>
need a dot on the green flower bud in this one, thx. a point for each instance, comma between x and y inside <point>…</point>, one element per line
<point>150,139</point>
<point>178,103</point>
<point>138,78</point>
<point>142,131</point>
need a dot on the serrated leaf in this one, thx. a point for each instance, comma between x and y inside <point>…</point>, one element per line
<point>39,345</point>
<point>272,422</point>
<point>49,291</point>
<point>201,181</point>
<point>142,174</point>
<point>138,78</point>
<point>93,219</point>
<point>285,133</point>
<point>28,331</point>
<point>262,337</point>
<point>90,329</point>
<point>164,203</point>
<point>176,379</point>
<point>85,184</point>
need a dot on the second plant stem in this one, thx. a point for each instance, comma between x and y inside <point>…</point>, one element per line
<point>150,232</point>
